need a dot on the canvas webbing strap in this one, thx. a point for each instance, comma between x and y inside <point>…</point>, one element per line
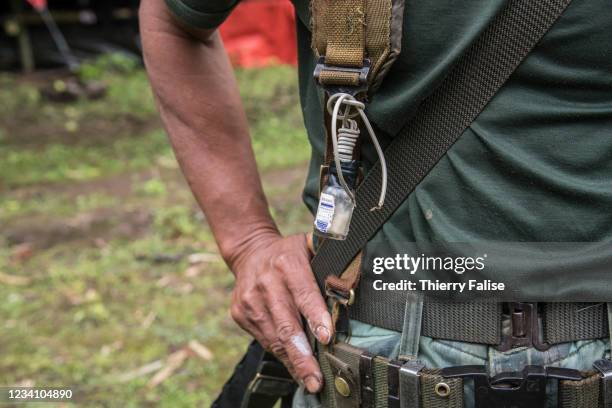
<point>354,378</point>
<point>340,292</point>
<point>347,32</point>
<point>344,23</point>
<point>481,322</point>
<point>438,123</point>
<point>412,327</point>
<point>327,395</point>
<point>431,387</point>
<point>564,322</point>
<point>580,394</point>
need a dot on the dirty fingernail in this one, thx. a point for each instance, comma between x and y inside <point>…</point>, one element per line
<point>323,334</point>
<point>312,384</point>
<point>326,320</point>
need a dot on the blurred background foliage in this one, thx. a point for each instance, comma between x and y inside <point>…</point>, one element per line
<point>109,277</point>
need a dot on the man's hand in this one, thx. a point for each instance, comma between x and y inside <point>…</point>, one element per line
<point>274,288</point>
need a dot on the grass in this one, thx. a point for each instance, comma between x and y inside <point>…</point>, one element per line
<point>96,229</point>
<point>59,163</point>
<point>89,139</point>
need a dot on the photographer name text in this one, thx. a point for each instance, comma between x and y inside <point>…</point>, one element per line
<point>411,265</point>
<point>427,285</point>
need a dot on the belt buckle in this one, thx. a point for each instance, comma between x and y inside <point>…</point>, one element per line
<point>524,328</point>
<point>362,73</point>
<point>521,389</point>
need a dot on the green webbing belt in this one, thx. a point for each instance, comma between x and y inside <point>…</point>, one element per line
<point>327,395</point>
<point>439,122</point>
<point>348,358</point>
<point>469,322</point>
<point>381,390</point>
<point>572,394</point>
<point>480,322</point>
<point>580,394</point>
<point>586,393</point>
<point>564,322</point>
<point>430,399</point>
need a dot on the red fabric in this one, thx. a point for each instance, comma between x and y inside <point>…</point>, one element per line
<point>261,32</point>
<point>38,4</point>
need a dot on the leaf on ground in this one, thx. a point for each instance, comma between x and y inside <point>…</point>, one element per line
<point>164,281</point>
<point>185,288</point>
<point>14,280</point>
<point>200,350</point>
<point>108,349</point>
<point>141,371</point>
<point>193,271</point>
<point>173,363</point>
<point>148,320</point>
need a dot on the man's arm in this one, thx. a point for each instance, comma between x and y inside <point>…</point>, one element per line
<point>201,109</point>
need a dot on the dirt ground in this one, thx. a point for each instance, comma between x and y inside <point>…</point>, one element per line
<point>110,279</point>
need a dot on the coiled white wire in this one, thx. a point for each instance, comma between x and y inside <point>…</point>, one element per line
<point>347,139</point>
<point>344,142</point>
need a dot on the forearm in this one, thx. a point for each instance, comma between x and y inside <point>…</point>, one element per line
<point>201,109</point>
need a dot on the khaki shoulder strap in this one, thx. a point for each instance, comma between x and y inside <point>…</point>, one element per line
<point>356,40</point>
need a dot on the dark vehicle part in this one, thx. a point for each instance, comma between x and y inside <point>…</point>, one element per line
<point>91,27</point>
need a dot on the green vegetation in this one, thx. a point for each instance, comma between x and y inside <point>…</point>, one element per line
<point>101,288</point>
<point>46,142</point>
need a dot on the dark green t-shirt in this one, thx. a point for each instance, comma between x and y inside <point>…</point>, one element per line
<point>535,166</point>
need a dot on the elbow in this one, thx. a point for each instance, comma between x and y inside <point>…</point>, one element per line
<point>154,15</point>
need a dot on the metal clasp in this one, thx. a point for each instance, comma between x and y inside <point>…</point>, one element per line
<point>604,366</point>
<point>331,89</point>
<point>345,299</point>
<point>521,389</point>
<point>525,327</point>
<point>403,380</point>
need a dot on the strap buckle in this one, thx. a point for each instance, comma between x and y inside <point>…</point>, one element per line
<point>271,385</point>
<point>357,83</point>
<point>272,379</point>
<point>525,327</point>
<point>521,389</point>
<point>340,296</point>
<point>343,299</point>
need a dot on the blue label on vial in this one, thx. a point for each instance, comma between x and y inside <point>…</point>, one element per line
<point>325,212</point>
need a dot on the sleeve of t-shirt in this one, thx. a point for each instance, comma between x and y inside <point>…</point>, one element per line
<point>205,14</point>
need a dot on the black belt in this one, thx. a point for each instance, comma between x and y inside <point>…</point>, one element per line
<point>527,324</point>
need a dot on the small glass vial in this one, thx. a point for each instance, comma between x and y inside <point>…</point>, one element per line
<point>335,209</point>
